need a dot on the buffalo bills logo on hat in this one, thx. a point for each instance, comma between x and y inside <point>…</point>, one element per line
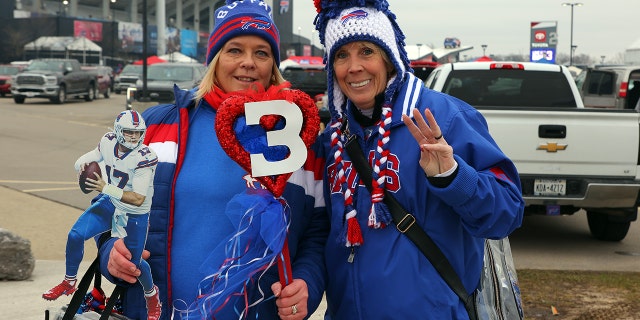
<point>255,23</point>
<point>356,14</point>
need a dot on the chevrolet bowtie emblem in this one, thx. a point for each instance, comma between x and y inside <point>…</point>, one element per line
<point>552,147</point>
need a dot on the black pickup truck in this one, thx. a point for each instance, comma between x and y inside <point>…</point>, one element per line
<point>54,79</point>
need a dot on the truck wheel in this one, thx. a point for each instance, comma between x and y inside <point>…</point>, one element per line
<point>19,99</point>
<point>92,93</point>
<point>62,95</point>
<point>607,227</point>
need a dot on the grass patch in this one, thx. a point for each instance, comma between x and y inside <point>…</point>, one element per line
<point>580,295</point>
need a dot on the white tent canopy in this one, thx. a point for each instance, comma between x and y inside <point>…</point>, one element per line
<point>63,44</point>
<point>177,57</point>
<point>80,48</point>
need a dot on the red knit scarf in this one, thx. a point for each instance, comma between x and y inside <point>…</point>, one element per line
<point>216,96</point>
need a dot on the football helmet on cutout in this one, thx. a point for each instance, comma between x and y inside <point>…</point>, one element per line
<point>129,120</point>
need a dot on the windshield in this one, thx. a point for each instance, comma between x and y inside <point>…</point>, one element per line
<point>9,70</point>
<point>170,73</point>
<point>46,65</point>
<point>130,68</point>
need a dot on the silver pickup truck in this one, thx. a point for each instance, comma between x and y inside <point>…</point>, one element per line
<point>568,157</point>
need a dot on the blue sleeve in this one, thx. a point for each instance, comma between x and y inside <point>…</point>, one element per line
<point>103,252</point>
<point>486,191</point>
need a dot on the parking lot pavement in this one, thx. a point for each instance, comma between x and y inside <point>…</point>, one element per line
<point>46,224</point>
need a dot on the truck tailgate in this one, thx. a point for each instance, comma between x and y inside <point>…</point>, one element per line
<point>597,142</point>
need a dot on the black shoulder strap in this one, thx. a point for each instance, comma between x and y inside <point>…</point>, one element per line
<point>111,302</point>
<point>405,223</point>
<point>93,272</point>
<point>83,288</point>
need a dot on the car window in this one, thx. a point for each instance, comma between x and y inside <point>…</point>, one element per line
<point>183,74</point>
<point>580,78</point>
<point>431,80</point>
<point>8,70</point>
<point>312,81</point>
<point>130,68</point>
<point>422,70</point>
<point>170,73</point>
<point>510,88</point>
<point>601,83</point>
<point>46,65</point>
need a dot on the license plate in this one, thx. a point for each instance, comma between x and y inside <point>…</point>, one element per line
<point>550,187</point>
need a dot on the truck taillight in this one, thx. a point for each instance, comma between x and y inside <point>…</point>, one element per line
<point>499,65</point>
<point>622,93</point>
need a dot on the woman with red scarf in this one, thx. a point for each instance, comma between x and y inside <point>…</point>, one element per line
<point>197,181</point>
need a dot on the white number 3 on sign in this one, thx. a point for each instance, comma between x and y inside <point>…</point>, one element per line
<point>288,136</point>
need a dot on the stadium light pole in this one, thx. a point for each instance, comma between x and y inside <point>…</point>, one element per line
<point>145,51</point>
<point>572,4</point>
<point>484,49</point>
<point>113,10</point>
<point>299,43</point>
<point>65,6</point>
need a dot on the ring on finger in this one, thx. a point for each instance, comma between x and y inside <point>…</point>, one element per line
<point>438,137</point>
<point>294,309</point>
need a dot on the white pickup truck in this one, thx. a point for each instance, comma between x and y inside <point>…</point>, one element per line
<point>568,157</point>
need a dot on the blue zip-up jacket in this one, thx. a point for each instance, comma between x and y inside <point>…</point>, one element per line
<point>167,134</point>
<point>389,277</point>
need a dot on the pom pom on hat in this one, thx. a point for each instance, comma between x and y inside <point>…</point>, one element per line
<point>245,17</point>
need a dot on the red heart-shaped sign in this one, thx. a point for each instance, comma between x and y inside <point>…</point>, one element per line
<point>233,108</point>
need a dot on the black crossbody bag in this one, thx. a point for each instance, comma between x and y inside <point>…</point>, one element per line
<point>406,224</point>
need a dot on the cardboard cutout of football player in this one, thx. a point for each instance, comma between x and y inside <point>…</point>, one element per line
<point>122,207</point>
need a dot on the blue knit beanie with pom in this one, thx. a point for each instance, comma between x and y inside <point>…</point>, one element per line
<point>240,18</point>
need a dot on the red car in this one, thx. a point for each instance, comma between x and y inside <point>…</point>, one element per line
<point>104,76</point>
<point>6,71</point>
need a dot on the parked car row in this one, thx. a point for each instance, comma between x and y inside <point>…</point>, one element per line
<point>61,79</point>
<point>54,79</point>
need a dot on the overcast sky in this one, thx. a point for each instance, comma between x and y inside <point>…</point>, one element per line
<point>600,27</point>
